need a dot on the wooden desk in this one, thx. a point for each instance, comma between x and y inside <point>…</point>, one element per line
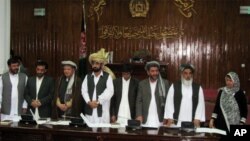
<point>18,132</point>
<point>139,71</point>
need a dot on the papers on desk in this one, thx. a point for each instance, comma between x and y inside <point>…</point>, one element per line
<point>14,118</point>
<point>41,121</point>
<point>48,122</point>
<point>60,122</point>
<point>6,122</point>
<point>210,130</point>
<point>100,125</point>
<point>150,127</point>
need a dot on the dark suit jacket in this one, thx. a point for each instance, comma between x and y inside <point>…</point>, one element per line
<point>144,97</point>
<point>132,94</point>
<point>45,95</point>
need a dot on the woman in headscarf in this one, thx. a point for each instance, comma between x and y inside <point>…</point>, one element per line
<point>231,105</point>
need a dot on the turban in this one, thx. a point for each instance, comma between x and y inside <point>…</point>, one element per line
<point>70,63</point>
<point>102,57</point>
<point>187,66</point>
<point>152,64</point>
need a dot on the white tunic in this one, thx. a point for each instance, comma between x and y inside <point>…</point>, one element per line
<point>14,79</point>
<point>104,99</point>
<point>185,113</point>
<point>153,118</point>
<point>124,110</point>
<point>38,85</point>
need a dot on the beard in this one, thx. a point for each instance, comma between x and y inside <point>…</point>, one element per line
<point>39,75</point>
<point>96,69</point>
<point>186,82</point>
<point>14,71</point>
<point>154,77</point>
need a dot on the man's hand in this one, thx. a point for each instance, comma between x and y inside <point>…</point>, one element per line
<point>211,123</point>
<point>93,104</point>
<point>62,107</point>
<point>140,118</point>
<point>165,121</point>
<point>169,122</point>
<point>35,103</point>
<point>24,110</point>
<point>197,123</point>
<point>39,103</point>
<point>113,119</point>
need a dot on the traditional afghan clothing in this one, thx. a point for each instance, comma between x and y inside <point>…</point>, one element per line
<point>185,100</point>
<point>98,88</point>
<point>231,105</point>
<point>151,98</point>
<point>102,57</point>
<point>68,91</point>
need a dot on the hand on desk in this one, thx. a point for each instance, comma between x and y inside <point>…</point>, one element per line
<point>196,123</point>
<point>113,119</point>
<point>169,122</point>
<point>140,118</point>
<point>211,123</point>
<point>24,110</point>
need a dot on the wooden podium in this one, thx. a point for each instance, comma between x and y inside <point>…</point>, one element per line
<point>21,132</point>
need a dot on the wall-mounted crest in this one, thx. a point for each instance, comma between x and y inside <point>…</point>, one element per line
<point>139,8</point>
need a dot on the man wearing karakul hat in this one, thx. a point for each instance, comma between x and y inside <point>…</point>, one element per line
<point>185,100</point>
<point>68,100</point>
<point>97,89</point>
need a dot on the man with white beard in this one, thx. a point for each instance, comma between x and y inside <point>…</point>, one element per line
<point>185,100</point>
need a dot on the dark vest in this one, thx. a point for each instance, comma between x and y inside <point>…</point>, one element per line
<point>100,87</point>
<point>178,98</point>
<point>7,89</point>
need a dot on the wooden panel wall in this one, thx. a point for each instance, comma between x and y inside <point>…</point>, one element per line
<point>54,37</point>
<point>215,40</point>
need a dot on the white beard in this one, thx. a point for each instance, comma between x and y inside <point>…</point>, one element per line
<point>186,82</point>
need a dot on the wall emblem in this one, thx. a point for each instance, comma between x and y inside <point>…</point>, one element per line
<point>139,8</point>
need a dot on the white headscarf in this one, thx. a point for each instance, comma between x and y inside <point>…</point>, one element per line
<point>228,103</point>
<point>236,86</point>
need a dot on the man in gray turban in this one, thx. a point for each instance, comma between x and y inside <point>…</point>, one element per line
<point>151,97</point>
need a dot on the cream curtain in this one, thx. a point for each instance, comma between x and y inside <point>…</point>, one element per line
<point>4,34</point>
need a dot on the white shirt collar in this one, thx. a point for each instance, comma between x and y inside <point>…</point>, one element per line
<point>151,81</point>
<point>39,79</point>
<point>126,81</point>
<point>14,75</point>
<point>101,74</point>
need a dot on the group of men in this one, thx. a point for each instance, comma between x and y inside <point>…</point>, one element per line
<point>102,97</point>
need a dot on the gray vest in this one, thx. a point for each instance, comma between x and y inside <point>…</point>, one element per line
<point>6,95</point>
<point>178,98</point>
<point>100,87</point>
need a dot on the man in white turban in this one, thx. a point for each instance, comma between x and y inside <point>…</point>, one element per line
<point>67,100</point>
<point>185,100</point>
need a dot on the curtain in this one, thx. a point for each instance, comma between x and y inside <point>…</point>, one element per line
<point>4,34</point>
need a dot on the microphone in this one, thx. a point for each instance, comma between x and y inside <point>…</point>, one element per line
<point>33,115</point>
